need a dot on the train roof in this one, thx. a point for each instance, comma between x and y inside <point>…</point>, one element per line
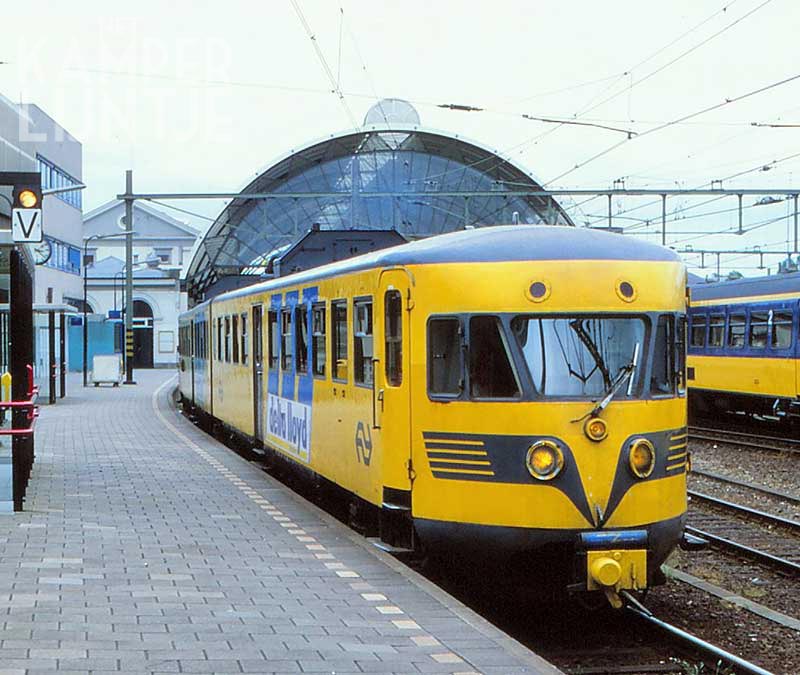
<point>778,284</point>
<point>502,243</point>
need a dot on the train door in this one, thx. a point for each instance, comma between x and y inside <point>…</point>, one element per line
<point>392,404</point>
<point>258,374</point>
<point>192,355</point>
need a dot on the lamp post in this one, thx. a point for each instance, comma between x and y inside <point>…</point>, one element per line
<point>94,237</point>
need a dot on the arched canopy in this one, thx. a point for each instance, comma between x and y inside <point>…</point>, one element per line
<point>417,181</point>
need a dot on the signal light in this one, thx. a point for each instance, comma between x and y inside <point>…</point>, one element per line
<point>27,197</point>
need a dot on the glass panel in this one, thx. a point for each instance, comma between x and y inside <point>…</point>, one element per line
<point>286,339</point>
<point>318,339</point>
<point>716,330</point>
<point>301,338</point>
<point>699,328</point>
<point>339,337</point>
<point>490,372</point>
<point>235,338</point>
<point>661,374</point>
<point>362,341</point>
<point>243,348</point>
<point>736,326</point>
<point>580,356</point>
<point>444,357</point>
<point>759,329</point>
<point>680,354</point>
<point>393,328</point>
<point>781,330</point>
<point>227,339</point>
<point>274,340</point>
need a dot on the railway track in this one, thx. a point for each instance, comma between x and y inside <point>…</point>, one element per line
<point>745,440</point>
<point>777,546</point>
<point>727,480</point>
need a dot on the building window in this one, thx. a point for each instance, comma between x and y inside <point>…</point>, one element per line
<point>54,177</point>
<point>64,257</point>
<point>164,255</point>
<point>362,341</point>
<point>318,354</point>
<point>339,338</point>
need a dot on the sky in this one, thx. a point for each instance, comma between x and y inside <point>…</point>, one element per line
<point>202,96</point>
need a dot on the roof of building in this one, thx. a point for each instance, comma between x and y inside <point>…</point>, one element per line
<point>146,208</point>
<point>415,180</point>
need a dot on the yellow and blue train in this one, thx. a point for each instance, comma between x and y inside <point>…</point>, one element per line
<point>503,390</point>
<point>742,353</point>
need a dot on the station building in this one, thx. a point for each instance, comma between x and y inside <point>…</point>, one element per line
<point>161,251</point>
<point>30,140</point>
<point>391,174</point>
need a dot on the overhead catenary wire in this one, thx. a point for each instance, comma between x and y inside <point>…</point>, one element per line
<point>323,61</point>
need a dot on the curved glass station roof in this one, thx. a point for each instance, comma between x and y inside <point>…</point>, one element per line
<point>387,175</point>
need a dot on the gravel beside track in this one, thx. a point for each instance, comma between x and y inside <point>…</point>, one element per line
<point>778,471</point>
<point>747,497</point>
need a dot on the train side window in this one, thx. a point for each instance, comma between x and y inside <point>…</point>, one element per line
<point>339,339</point>
<point>716,330</point>
<point>318,354</point>
<point>235,338</point>
<point>301,337</point>
<point>286,339</point>
<point>219,339</point>
<point>661,377</point>
<point>759,329</point>
<point>699,330</point>
<point>736,327</point>
<point>243,347</point>
<point>274,340</point>
<point>393,329</point>
<point>445,365</point>
<point>227,339</point>
<point>362,341</point>
<point>491,374</point>
<point>781,329</point>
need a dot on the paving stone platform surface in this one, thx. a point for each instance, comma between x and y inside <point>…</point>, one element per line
<point>148,547</point>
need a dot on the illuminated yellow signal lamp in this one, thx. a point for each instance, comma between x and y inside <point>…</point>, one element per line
<point>642,457</point>
<point>26,197</point>
<point>595,429</point>
<point>544,460</point>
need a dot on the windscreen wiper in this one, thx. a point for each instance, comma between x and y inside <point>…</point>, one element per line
<point>625,373</point>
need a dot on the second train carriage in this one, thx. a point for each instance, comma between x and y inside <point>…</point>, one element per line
<point>507,389</point>
<point>743,350</point>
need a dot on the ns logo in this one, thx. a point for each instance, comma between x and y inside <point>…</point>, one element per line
<point>363,443</point>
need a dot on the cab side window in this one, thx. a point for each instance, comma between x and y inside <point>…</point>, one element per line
<point>445,357</point>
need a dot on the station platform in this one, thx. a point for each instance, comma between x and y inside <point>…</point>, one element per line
<point>148,547</point>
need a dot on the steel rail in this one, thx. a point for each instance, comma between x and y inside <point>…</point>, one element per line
<point>745,434</point>
<point>785,496</point>
<point>742,666</point>
<point>746,510</point>
<point>744,444</point>
<point>748,551</point>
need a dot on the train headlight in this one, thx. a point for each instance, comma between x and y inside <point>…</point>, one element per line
<point>642,457</point>
<point>595,429</point>
<point>544,460</point>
